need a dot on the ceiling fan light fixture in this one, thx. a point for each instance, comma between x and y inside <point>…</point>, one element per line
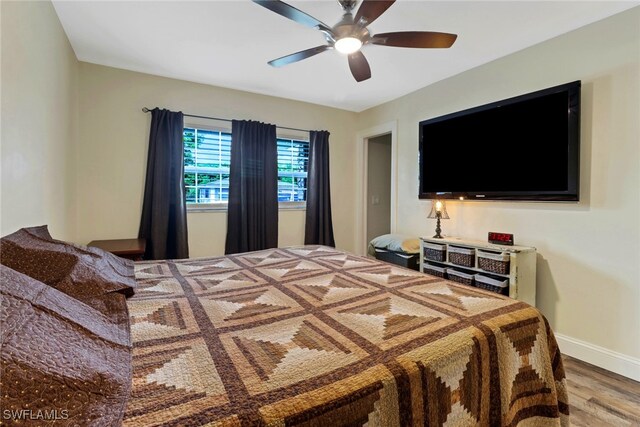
<point>348,45</point>
<point>351,33</point>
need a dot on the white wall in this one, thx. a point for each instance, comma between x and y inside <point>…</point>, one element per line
<point>113,149</point>
<point>588,282</point>
<point>39,120</point>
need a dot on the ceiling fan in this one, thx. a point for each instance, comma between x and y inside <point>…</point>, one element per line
<point>351,33</point>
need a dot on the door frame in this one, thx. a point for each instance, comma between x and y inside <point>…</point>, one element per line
<point>362,156</point>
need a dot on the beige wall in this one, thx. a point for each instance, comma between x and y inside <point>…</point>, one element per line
<point>39,107</point>
<point>113,149</point>
<point>588,282</point>
<point>378,186</point>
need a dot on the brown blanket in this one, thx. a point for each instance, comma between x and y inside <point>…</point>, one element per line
<point>62,363</point>
<point>319,337</point>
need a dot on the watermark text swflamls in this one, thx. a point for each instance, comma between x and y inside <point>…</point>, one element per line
<point>31,414</point>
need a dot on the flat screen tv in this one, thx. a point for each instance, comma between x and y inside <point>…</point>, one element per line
<point>522,148</point>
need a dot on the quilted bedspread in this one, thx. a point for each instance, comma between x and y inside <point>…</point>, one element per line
<point>318,337</point>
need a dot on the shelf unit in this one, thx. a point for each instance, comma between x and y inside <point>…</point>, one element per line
<point>522,264</point>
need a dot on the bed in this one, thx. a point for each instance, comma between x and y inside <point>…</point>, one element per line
<point>305,335</point>
<point>316,336</point>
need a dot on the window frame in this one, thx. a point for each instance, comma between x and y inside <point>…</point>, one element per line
<point>296,204</point>
<point>223,206</point>
<point>205,207</point>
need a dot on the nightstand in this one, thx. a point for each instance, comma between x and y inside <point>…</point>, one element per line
<point>126,248</point>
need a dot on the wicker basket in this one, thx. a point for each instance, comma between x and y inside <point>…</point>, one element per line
<point>461,256</point>
<point>434,251</point>
<point>434,270</point>
<point>460,277</point>
<point>494,262</point>
<point>493,285</point>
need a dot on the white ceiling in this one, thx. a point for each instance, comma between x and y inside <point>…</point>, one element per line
<point>228,43</point>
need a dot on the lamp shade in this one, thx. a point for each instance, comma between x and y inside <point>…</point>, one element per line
<point>438,206</point>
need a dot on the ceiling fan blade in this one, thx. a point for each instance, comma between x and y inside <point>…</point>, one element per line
<point>288,11</point>
<point>298,56</point>
<point>359,66</point>
<point>370,10</point>
<point>420,39</point>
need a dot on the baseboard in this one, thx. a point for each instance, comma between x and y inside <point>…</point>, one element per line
<point>610,360</point>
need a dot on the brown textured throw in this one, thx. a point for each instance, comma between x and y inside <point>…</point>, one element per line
<point>62,362</point>
<point>81,272</point>
<point>318,337</point>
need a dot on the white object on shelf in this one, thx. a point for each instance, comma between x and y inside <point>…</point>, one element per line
<point>502,256</point>
<point>434,246</point>
<point>464,251</point>
<point>492,282</point>
<point>521,274</point>
<point>454,272</point>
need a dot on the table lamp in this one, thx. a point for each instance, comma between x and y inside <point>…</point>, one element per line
<point>438,211</point>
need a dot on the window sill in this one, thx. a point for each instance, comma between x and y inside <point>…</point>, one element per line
<point>206,209</point>
<point>292,206</point>
<point>282,206</point>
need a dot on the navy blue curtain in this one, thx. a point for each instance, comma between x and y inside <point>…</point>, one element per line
<point>252,215</point>
<point>319,224</point>
<point>164,211</point>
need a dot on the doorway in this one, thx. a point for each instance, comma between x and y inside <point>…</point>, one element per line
<point>387,130</point>
<point>378,200</point>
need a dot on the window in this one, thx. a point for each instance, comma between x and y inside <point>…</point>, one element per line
<point>207,157</point>
<point>293,161</point>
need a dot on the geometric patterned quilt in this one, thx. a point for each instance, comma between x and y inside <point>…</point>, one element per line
<point>315,336</point>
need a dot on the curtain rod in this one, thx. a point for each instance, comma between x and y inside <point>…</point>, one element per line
<point>146,110</point>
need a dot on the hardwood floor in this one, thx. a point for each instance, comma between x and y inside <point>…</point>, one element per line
<point>600,398</point>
